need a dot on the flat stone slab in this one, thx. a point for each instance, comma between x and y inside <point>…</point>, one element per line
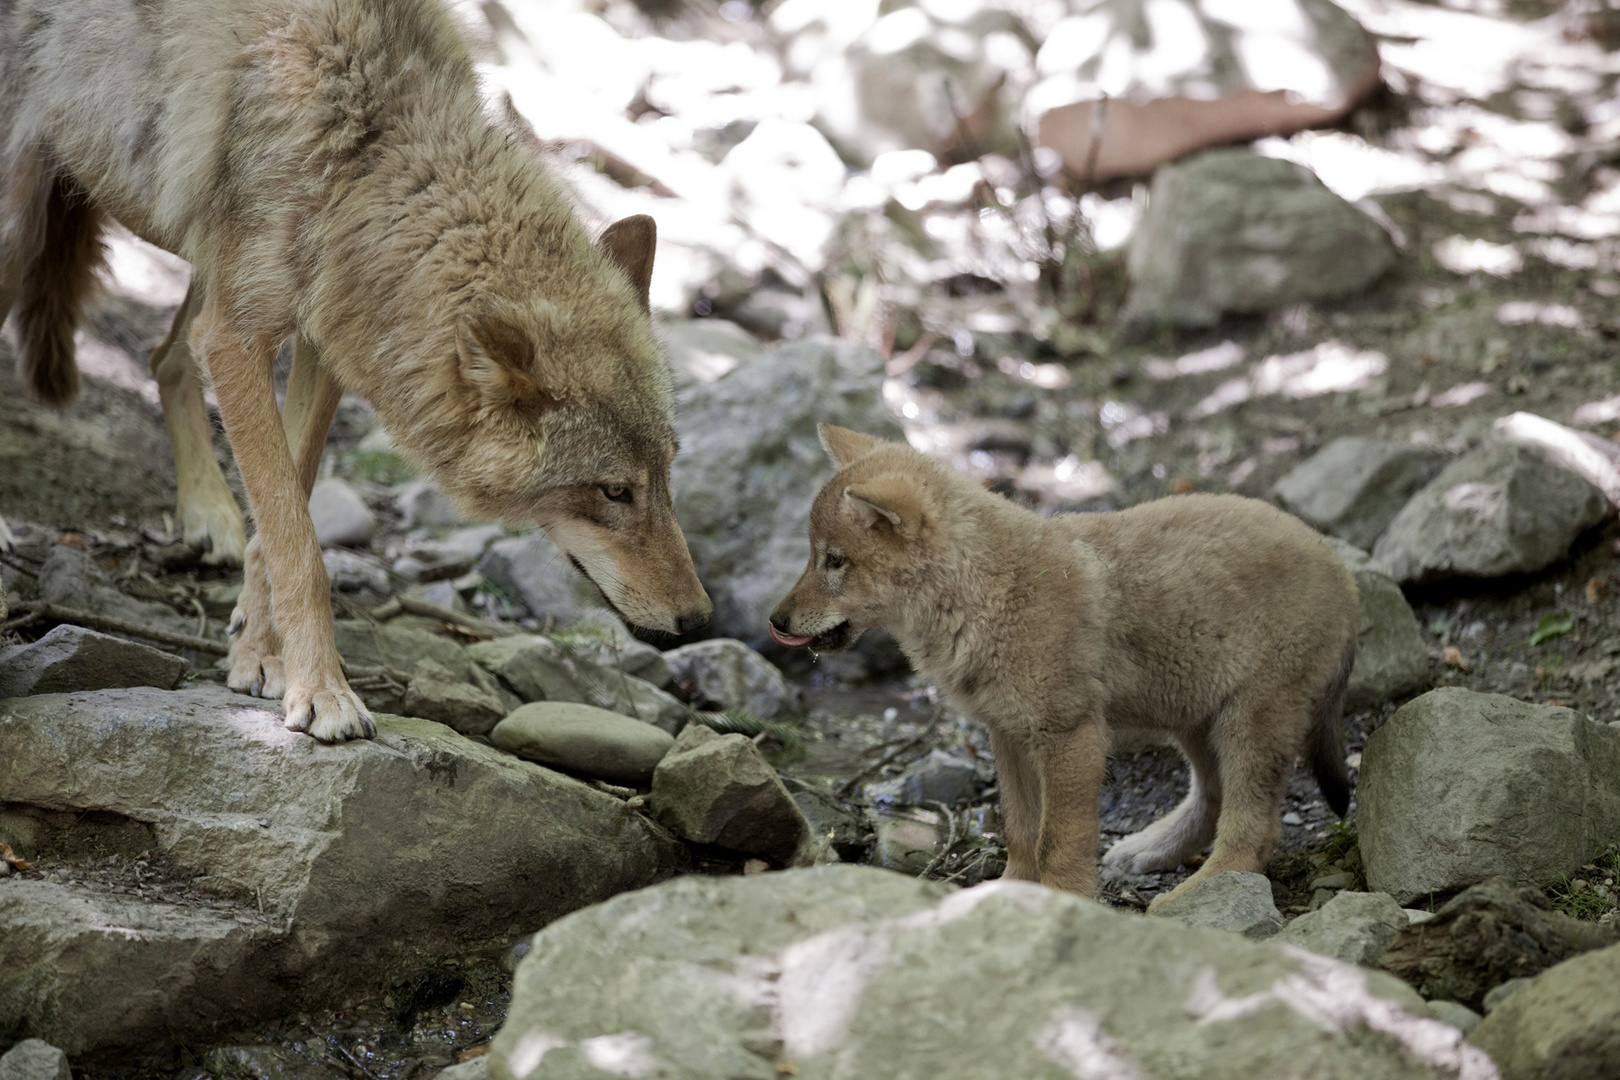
<point>1355,927</point>
<point>584,739</point>
<point>844,971</point>
<point>319,868</point>
<point>73,658</point>
<point>1235,901</point>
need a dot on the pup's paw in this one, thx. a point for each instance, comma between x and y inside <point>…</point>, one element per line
<point>330,713</point>
<point>213,524</point>
<point>1159,901</point>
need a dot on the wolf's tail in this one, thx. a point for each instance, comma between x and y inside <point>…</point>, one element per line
<point>1324,745</point>
<point>56,279</point>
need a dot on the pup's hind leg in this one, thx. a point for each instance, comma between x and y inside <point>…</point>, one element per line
<point>1071,768</point>
<point>1184,831</point>
<point>209,516</point>
<point>1020,806</point>
<point>1255,742</point>
<point>317,698</point>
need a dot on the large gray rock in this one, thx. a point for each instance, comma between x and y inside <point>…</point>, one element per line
<point>1499,509</point>
<point>702,350</point>
<point>1355,927</point>
<point>843,971</point>
<point>34,1059</point>
<point>1236,901</point>
<point>1353,487</point>
<point>70,578</point>
<point>392,853</point>
<point>750,463</point>
<point>1458,787</point>
<point>341,516</point>
<point>725,674</point>
<point>1392,655</point>
<point>73,658</point>
<point>532,570</point>
<point>939,777</point>
<point>537,668</point>
<point>1230,231</point>
<point>719,789</point>
<point>1564,1025</point>
<point>583,739</point>
<point>421,503</point>
<point>434,693</point>
<point>449,557</point>
<point>602,638</point>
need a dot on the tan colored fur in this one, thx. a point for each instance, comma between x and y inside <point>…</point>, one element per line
<point>1216,619</point>
<point>327,169</point>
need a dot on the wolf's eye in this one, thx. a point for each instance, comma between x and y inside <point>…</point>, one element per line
<point>618,493</point>
<point>834,562</point>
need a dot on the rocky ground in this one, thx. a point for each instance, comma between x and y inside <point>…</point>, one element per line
<point>1416,355</point>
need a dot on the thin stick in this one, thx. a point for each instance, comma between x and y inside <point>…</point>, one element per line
<point>892,756</point>
<point>39,609</point>
<point>409,606</point>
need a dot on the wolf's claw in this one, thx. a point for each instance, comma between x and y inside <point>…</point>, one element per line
<point>331,715</point>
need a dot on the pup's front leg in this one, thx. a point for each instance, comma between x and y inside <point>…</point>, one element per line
<point>1071,768</point>
<point>1020,805</point>
<point>316,696</point>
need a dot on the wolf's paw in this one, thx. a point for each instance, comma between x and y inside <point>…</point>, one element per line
<point>1136,854</point>
<point>213,524</point>
<point>254,672</point>
<point>330,713</point>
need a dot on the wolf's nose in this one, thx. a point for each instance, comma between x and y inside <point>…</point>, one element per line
<point>692,620</point>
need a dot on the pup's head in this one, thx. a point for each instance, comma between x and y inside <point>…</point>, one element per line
<point>561,414</point>
<point>868,527</point>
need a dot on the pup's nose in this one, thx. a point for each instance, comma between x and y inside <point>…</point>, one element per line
<point>692,620</point>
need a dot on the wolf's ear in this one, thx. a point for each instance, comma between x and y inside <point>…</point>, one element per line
<point>887,503</point>
<point>844,445</point>
<point>496,361</point>
<point>630,242</point>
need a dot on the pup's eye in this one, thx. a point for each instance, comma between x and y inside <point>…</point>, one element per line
<point>618,493</point>
<point>834,562</point>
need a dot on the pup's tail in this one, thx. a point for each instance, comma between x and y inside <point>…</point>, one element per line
<point>1324,746</point>
<point>56,279</point>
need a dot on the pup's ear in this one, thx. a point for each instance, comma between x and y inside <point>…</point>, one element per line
<point>630,242</point>
<point>887,503</point>
<point>844,445</point>
<point>496,361</point>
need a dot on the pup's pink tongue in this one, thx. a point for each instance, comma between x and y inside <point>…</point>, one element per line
<point>787,639</point>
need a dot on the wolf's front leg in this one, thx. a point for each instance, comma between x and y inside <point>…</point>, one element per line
<point>1071,768</point>
<point>317,696</point>
<point>209,517</point>
<point>255,660</point>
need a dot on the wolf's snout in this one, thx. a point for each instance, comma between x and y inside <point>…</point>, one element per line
<point>693,620</point>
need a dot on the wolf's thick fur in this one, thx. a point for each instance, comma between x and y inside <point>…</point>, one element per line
<point>327,168</point>
<point>1217,619</point>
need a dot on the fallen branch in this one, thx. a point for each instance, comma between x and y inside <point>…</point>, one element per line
<point>404,605</point>
<point>33,610</point>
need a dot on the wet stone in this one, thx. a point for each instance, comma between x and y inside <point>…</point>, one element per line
<point>724,674</point>
<point>436,694</point>
<point>1355,927</point>
<point>938,778</point>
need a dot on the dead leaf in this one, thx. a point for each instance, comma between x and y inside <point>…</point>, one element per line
<point>14,859</point>
<point>1181,485</point>
<point>786,1068</point>
<point>1596,590</point>
<point>475,1052</point>
<point>1453,658</point>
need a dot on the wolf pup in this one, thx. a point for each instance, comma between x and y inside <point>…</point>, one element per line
<point>1216,619</point>
<point>327,168</point>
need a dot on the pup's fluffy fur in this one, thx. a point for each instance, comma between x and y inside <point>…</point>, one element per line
<point>1216,619</point>
<point>327,169</point>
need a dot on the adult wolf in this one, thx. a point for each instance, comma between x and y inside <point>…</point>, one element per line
<point>328,170</point>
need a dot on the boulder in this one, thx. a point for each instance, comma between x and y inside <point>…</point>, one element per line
<point>449,557</point>
<point>723,674</point>
<point>1165,82</point>
<point>906,841</point>
<point>584,740</point>
<point>1353,487</point>
<point>434,693</point>
<point>601,638</point>
<point>70,578</point>
<point>341,516</point>
<point>421,503</point>
<point>295,872</point>
<point>751,463</point>
<point>1392,655</point>
<point>1486,938</point>
<point>532,570</point>
<point>537,668</point>
<point>1499,509</point>
<point>843,971</point>
<point>1354,927</point>
<point>1236,901</point>
<point>939,777</point>
<point>73,658</point>
<point>33,1059</point>
<point>719,789</point>
<point>702,350</point>
<point>1459,786</point>
<point>1564,1024</point>
<point>351,571</point>
<point>1231,231</point>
